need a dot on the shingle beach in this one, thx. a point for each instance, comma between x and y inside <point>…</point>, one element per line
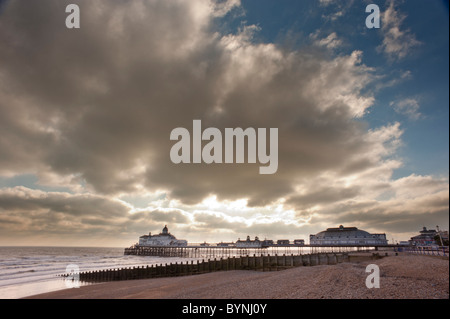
<point>401,277</point>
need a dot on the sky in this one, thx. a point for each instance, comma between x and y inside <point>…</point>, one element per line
<point>86,116</point>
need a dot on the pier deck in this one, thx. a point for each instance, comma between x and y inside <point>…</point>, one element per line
<point>201,251</point>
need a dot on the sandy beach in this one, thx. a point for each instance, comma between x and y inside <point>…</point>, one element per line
<point>401,277</point>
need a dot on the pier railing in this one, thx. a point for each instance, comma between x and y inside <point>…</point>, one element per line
<point>194,251</point>
<point>259,263</point>
<point>429,250</point>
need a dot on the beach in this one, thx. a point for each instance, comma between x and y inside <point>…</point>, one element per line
<point>401,277</point>
<point>26,271</point>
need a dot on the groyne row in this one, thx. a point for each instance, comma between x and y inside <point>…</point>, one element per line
<point>259,263</point>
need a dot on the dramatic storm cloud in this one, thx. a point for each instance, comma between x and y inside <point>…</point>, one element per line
<point>89,111</point>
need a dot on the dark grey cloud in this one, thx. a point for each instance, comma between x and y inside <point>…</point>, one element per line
<point>323,195</point>
<point>78,205</point>
<point>94,107</point>
<point>418,201</point>
<point>103,99</point>
<point>26,212</point>
<point>171,215</point>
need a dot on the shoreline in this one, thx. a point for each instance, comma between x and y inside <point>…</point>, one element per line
<point>401,277</point>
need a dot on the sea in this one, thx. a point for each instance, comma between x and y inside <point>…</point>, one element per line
<point>27,271</point>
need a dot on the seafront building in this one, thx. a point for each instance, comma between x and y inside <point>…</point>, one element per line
<point>347,236</point>
<point>444,237</point>
<point>350,236</point>
<point>162,239</point>
<point>248,243</point>
<point>425,238</point>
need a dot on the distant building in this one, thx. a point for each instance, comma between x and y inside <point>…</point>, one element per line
<point>347,236</point>
<point>283,242</point>
<point>299,242</point>
<point>162,239</point>
<point>425,238</point>
<point>249,243</point>
<point>267,242</point>
<point>444,236</point>
<point>222,244</point>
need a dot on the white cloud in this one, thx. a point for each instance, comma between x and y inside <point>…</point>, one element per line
<point>330,42</point>
<point>409,107</point>
<point>339,8</point>
<point>221,8</point>
<point>397,41</point>
<point>325,2</point>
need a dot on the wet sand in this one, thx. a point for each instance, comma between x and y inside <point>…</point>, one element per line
<point>401,277</point>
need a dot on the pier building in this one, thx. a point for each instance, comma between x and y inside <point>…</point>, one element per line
<point>347,236</point>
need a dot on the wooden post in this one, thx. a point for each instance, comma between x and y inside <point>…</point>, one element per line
<point>282,261</point>
<point>345,257</point>
<point>266,264</point>
<point>238,263</point>
<point>289,261</point>
<point>297,261</point>
<point>245,262</point>
<point>173,269</point>
<point>323,260</point>
<point>314,259</point>
<point>272,263</point>
<point>332,259</point>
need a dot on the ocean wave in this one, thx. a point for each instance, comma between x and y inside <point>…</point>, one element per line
<point>24,266</point>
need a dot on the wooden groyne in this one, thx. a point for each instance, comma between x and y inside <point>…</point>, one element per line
<point>259,263</point>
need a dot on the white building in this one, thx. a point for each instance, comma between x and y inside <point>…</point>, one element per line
<point>347,236</point>
<point>163,239</point>
<point>249,243</point>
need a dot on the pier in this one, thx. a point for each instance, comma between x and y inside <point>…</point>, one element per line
<point>199,251</point>
<point>165,244</point>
